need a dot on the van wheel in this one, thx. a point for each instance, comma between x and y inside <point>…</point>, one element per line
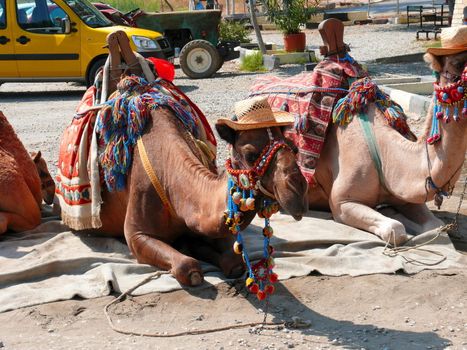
<point>93,71</point>
<point>199,59</point>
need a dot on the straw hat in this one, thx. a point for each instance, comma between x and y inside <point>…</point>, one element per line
<point>255,113</point>
<point>453,40</point>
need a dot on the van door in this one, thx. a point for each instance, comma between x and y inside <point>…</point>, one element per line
<point>7,61</point>
<point>42,46</point>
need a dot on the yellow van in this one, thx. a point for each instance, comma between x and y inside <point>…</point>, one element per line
<point>62,40</point>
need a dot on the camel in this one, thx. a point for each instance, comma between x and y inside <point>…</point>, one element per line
<point>413,173</point>
<point>191,202</point>
<point>24,182</point>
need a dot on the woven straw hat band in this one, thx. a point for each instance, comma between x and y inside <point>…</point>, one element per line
<point>254,110</point>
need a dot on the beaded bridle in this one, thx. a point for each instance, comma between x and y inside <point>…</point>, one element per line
<point>241,189</point>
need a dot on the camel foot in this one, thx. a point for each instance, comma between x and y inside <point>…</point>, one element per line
<point>196,278</point>
<point>188,272</point>
<point>232,265</point>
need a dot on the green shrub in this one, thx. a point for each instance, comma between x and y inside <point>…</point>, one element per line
<point>128,5</point>
<point>253,63</point>
<point>233,31</point>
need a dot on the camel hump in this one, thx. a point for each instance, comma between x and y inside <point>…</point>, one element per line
<point>10,143</point>
<point>332,34</point>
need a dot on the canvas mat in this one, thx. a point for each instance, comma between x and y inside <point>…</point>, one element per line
<point>52,263</point>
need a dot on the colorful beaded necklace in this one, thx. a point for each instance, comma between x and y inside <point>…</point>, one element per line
<point>241,187</point>
<point>449,99</point>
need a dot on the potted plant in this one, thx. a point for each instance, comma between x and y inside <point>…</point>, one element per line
<point>288,16</point>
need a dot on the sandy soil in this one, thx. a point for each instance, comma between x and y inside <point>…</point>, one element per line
<point>423,311</point>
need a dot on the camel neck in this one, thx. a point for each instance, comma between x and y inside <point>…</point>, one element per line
<point>197,194</point>
<point>442,161</point>
<point>446,156</point>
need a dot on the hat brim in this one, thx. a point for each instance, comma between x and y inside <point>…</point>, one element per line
<point>280,119</point>
<point>443,51</point>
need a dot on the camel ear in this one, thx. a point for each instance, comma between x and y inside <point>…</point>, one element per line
<point>36,156</point>
<point>435,62</point>
<point>226,133</point>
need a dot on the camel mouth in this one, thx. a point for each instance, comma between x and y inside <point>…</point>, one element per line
<point>294,202</point>
<point>297,217</point>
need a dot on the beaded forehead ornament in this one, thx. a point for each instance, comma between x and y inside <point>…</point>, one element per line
<point>241,187</point>
<point>449,100</point>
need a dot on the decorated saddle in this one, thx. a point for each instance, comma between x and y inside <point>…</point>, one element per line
<point>311,96</point>
<point>97,147</point>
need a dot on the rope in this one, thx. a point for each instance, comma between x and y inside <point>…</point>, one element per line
<point>395,251</point>
<point>157,275</point>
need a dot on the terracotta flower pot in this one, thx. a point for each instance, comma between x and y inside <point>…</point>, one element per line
<point>295,42</point>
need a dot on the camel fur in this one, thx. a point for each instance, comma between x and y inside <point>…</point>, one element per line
<point>20,183</point>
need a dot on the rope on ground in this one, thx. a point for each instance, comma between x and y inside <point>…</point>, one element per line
<point>157,275</point>
<point>396,251</point>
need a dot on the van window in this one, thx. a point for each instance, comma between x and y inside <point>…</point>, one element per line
<point>2,14</point>
<point>40,16</point>
<point>89,13</point>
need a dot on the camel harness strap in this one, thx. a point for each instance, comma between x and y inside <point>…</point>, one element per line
<point>153,177</point>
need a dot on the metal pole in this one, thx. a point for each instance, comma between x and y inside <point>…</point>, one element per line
<point>368,15</point>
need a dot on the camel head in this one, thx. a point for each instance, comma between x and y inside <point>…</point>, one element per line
<point>47,183</point>
<point>282,179</point>
<point>449,67</point>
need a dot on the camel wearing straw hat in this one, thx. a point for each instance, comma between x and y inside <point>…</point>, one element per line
<point>198,207</point>
<point>351,183</point>
<point>24,182</point>
<point>169,195</point>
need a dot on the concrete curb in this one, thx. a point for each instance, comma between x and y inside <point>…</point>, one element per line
<point>414,57</point>
<point>414,106</point>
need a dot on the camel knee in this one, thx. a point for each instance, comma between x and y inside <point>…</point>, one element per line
<point>392,231</point>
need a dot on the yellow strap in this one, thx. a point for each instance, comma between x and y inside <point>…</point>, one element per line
<point>153,177</point>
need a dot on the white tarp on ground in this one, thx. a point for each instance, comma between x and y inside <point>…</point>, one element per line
<point>52,263</point>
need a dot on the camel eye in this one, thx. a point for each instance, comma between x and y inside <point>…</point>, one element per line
<point>251,157</point>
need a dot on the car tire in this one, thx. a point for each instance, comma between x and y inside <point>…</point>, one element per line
<point>199,59</point>
<point>98,64</point>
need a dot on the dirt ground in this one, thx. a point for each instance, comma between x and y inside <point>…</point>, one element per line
<point>422,311</point>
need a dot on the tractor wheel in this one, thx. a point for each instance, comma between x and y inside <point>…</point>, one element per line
<point>199,59</point>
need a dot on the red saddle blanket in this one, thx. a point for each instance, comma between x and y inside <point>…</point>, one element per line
<point>311,96</point>
<point>78,167</point>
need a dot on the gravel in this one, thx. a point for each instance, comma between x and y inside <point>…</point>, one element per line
<point>40,111</point>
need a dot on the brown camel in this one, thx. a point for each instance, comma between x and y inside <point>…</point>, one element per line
<point>198,197</point>
<point>195,197</point>
<point>24,182</point>
<point>413,172</point>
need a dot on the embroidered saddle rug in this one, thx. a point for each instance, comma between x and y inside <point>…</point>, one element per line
<point>97,146</point>
<point>311,96</point>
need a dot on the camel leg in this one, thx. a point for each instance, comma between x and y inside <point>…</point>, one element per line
<point>18,209</point>
<point>421,215</point>
<point>16,222</point>
<point>149,250</point>
<point>150,233</point>
<point>231,264</point>
<point>218,252</point>
<point>363,217</point>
